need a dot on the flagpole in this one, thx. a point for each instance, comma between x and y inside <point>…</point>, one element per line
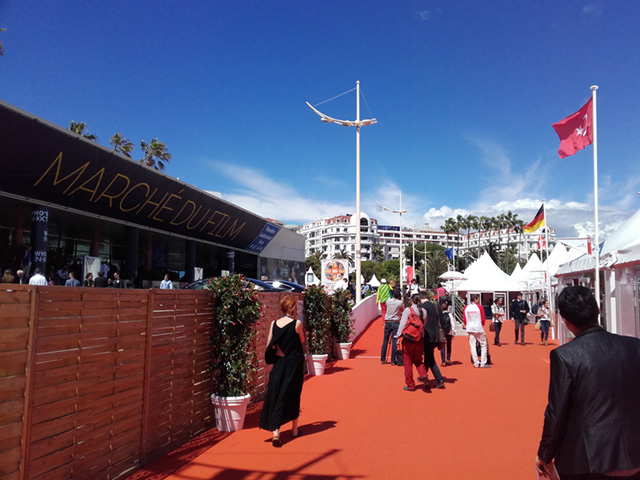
<point>595,193</point>
<point>547,279</point>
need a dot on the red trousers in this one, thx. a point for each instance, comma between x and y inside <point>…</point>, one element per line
<point>412,355</point>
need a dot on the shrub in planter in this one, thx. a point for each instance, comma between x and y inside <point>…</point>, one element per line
<point>341,319</point>
<point>233,356</point>
<point>316,321</point>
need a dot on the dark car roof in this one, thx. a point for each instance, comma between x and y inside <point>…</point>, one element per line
<point>286,285</point>
<point>258,284</point>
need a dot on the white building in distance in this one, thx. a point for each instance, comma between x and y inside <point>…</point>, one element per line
<point>335,235</point>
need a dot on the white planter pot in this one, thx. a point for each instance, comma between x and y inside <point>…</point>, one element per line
<point>230,412</point>
<point>316,363</point>
<point>343,350</point>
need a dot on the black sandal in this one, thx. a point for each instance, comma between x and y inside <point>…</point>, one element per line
<point>299,433</point>
<point>275,441</point>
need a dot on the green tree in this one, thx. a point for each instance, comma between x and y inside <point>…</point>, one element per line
<point>344,255</point>
<point>314,261</point>
<point>377,252</point>
<point>81,129</point>
<point>156,154</point>
<point>121,144</point>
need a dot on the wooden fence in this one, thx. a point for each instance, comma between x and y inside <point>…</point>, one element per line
<point>95,383</point>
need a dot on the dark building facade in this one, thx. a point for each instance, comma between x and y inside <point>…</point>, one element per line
<point>69,198</point>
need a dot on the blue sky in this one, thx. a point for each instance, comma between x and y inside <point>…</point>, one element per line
<point>465,93</point>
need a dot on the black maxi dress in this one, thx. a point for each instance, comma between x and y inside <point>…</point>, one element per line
<point>282,402</point>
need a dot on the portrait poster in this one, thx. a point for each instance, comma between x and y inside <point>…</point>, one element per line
<point>333,274</point>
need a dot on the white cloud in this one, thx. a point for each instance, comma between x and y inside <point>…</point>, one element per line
<point>255,191</point>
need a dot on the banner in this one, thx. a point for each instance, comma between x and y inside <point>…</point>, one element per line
<point>581,244</point>
<point>334,272</point>
<point>45,163</point>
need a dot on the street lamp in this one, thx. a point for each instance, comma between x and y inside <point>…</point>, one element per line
<point>357,123</point>
<point>400,211</point>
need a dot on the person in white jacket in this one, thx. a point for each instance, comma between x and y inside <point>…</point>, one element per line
<point>473,319</point>
<point>166,283</point>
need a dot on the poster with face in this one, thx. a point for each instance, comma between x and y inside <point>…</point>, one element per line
<point>335,274</point>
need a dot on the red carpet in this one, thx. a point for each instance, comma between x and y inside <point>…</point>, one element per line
<point>359,423</point>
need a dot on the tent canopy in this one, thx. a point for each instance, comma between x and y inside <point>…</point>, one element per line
<point>374,282</point>
<point>485,276</point>
<point>621,247</point>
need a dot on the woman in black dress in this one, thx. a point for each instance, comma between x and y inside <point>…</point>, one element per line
<point>282,402</point>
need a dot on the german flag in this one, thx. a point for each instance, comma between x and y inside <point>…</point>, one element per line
<point>537,222</point>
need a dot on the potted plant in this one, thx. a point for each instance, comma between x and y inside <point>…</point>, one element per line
<point>233,358</point>
<point>316,325</point>
<point>342,323</point>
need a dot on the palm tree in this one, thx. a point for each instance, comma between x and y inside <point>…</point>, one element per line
<point>377,252</point>
<point>155,154</point>
<point>315,261</point>
<point>81,129</point>
<point>511,220</point>
<point>448,227</point>
<point>461,224</point>
<point>485,224</point>
<point>471,222</point>
<point>342,254</point>
<point>519,229</point>
<point>501,222</point>
<point>121,144</point>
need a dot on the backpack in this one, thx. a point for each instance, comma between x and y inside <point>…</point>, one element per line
<point>446,322</point>
<point>534,309</point>
<point>413,329</point>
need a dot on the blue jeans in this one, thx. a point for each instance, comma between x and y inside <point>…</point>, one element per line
<point>498,326</point>
<point>390,329</point>
<point>445,353</point>
<point>544,330</point>
<point>520,326</point>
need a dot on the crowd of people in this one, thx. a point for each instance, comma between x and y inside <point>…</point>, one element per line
<point>438,328</point>
<point>591,425</point>
<point>69,274</point>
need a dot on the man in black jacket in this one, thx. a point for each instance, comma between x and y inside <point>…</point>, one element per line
<point>431,327</point>
<point>519,309</point>
<point>592,421</point>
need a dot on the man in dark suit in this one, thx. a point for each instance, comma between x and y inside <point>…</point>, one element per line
<point>519,309</point>
<point>592,421</point>
<point>430,334</point>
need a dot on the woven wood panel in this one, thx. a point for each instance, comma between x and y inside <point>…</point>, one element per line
<point>97,382</point>
<point>15,316</point>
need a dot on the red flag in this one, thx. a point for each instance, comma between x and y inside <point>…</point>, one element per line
<point>542,243</point>
<point>575,131</point>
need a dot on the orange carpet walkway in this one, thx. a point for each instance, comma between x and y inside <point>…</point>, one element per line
<point>359,423</point>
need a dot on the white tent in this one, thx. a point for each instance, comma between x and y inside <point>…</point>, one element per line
<point>310,278</point>
<point>374,282</point>
<point>485,276</point>
<point>535,273</point>
<point>624,238</point>
<point>619,259</point>
<point>517,275</point>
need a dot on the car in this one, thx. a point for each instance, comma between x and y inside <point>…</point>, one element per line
<point>286,285</point>
<point>257,284</point>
